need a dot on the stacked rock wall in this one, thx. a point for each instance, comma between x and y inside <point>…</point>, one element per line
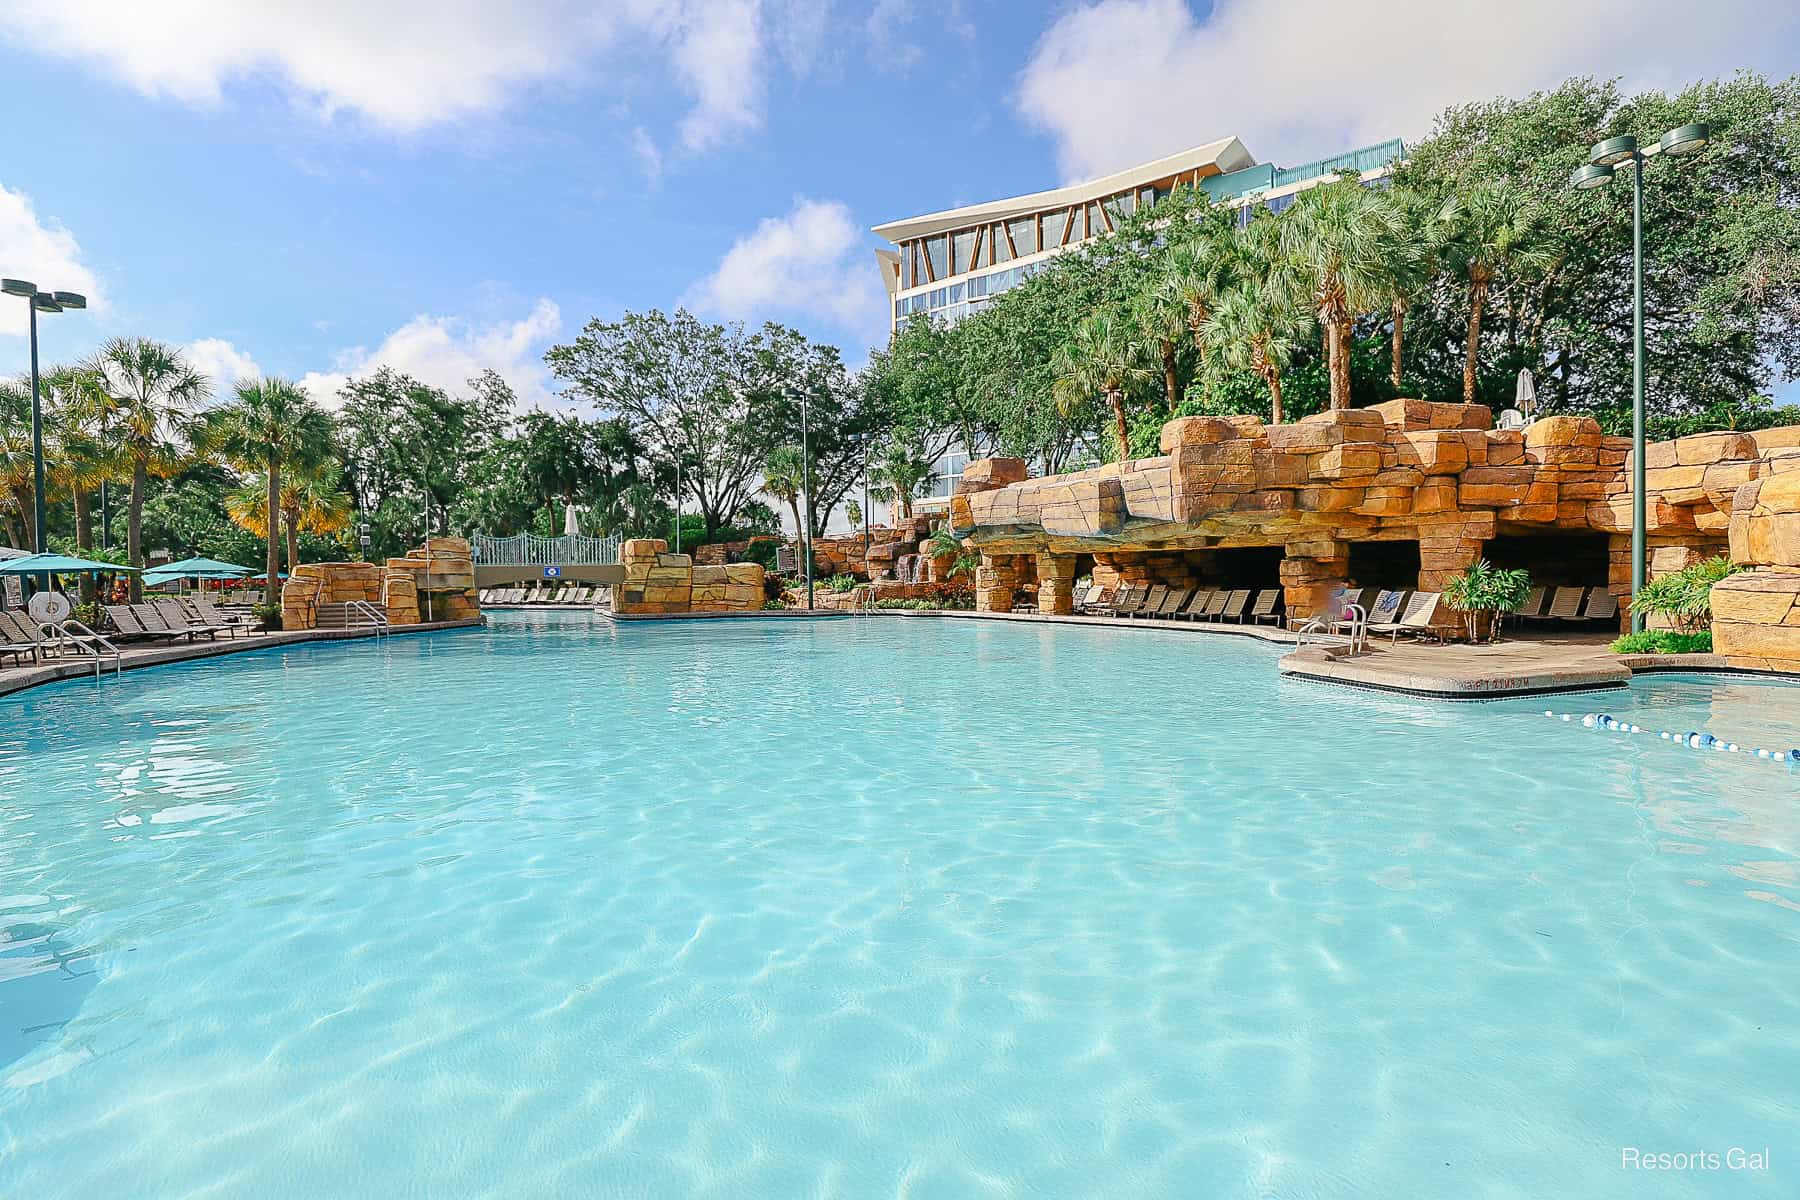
<point>442,569</point>
<point>436,581</point>
<point>1407,470</point>
<point>660,583</point>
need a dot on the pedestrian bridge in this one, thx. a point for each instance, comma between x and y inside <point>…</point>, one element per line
<point>526,557</point>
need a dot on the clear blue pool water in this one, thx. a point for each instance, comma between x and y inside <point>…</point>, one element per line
<point>879,908</point>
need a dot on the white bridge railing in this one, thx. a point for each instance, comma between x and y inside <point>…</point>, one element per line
<point>529,550</point>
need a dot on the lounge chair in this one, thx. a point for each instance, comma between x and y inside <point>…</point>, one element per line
<point>154,623</point>
<point>1237,603</point>
<point>1174,602</point>
<point>210,614</point>
<point>1264,608</point>
<point>1101,601</point>
<point>13,646</point>
<point>175,618</point>
<point>1216,605</point>
<point>1420,611</point>
<point>1565,604</point>
<point>1152,602</point>
<point>1386,609</point>
<point>47,639</point>
<point>1533,608</point>
<point>1602,605</point>
<point>1197,606</point>
<point>128,625</point>
<point>1131,599</point>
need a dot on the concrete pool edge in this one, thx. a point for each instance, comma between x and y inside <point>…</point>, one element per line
<point>13,681</point>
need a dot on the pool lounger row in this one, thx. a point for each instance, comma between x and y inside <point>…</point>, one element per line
<point>1160,602</point>
<point>565,597</point>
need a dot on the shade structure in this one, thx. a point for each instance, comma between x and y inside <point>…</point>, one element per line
<point>195,568</point>
<point>57,564</point>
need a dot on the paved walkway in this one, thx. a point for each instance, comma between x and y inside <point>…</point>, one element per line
<point>136,655</point>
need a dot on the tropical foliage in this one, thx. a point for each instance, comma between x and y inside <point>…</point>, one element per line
<point>1684,597</point>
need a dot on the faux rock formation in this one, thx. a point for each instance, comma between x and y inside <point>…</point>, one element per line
<point>1436,474</point>
<point>660,583</point>
<point>438,579</point>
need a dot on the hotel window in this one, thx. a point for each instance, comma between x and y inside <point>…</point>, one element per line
<point>936,250</point>
<point>937,297</point>
<point>1096,224</point>
<point>1024,235</point>
<point>956,293</point>
<point>1121,206</point>
<point>1002,248</point>
<point>963,245</point>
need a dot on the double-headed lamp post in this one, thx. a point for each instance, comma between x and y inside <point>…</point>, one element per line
<point>1599,171</point>
<point>39,302</point>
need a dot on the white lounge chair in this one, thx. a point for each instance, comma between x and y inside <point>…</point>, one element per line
<point>1264,608</point>
<point>1420,611</point>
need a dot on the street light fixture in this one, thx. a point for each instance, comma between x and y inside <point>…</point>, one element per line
<point>35,303</point>
<point>1603,160</point>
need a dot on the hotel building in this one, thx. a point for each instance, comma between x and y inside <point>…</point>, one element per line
<point>950,263</point>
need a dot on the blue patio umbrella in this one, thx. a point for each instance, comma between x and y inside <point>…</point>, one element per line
<point>57,564</point>
<point>194,568</point>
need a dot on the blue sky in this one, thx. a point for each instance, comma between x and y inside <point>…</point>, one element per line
<point>309,188</point>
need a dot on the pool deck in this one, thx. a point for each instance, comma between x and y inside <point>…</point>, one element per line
<point>132,657</point>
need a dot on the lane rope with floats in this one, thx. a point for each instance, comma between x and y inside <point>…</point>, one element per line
<point>1693,739</point>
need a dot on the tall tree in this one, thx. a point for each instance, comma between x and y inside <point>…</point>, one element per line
<point>272,427</point>
<point>784,478</point>
<point>1411,268</point>
<point>901,473</point>
<point>1104,358</point>
<point>1257,327</point>
<point>710,399</point>
<point>153,394</point>
<point>1493,226</point>
<point>1339,240</point>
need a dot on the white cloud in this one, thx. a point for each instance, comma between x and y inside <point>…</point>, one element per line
<point>447,352</point>
<point>221,362</point>
<point>42,252</point>
<point>410,64</point>
<point>888,46</point>
<point>648,156</point>
<point>813,262</point>
<point>1119,81</point>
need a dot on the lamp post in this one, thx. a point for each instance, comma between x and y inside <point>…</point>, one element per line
<point>35,303</point>
<point>1603,160</point>
<point>806,486</point>
<point>867,438</point>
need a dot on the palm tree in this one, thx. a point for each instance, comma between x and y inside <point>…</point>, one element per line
<point>1257,327</point>
<point>901,473</point>
<point>272,426</point>
<point>310,502</point>
<point>1101,357</point>
<point>1339,240</point>
<point>80,457</point>
<point>1412,268</point>
<point>784,478</point>
<point>1161,317</point>
<point>152,394</point>
<point>1202,268</point>
<point>1490,228</point>
<point>16,479</point>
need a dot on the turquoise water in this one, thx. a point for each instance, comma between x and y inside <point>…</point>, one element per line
<point>913,908</point>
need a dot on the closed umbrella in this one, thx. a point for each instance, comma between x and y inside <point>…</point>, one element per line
<point>570,528</point>
<point>1525,397</point>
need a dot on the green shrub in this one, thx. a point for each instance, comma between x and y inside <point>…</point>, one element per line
<point>773,605</point>
<point>1664,641</point>
<point>841,583</point>
<point>1485,588</point>
<point>268,614</point>
<point>1685,597</point>
<point>951,601</point>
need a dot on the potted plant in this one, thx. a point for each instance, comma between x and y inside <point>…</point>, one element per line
<point>1483,592</point>
<point>268,616</point>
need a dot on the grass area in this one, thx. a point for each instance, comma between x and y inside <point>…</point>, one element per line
<point>1664,641</point>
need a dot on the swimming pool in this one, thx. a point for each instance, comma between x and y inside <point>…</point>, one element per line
<point>894,907</point>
